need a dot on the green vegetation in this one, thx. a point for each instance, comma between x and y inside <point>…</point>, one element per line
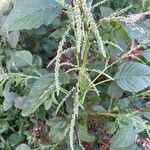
<point>74,75</point>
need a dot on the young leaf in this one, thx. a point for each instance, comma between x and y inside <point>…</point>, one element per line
<point>133,76</point>
<point>27,14</point>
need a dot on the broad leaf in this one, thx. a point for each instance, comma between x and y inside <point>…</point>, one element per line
<point>133,76</point>
<point>106,11</point>
<point>4,126</point>
<point>84,135</point>
<point>122,42</point>
<point>20,102</point>
<point>37,61</point>
<point>114,90</point>
<point>8,97</point>
<point>58,33</point>
<point>58,130</point>
<point>57,122</point>
<point>137,27</point>
<point>48,104</point>
<point>135,122</point>
<point>27,14</point>
<point>23,147</point>
<point>123,103</point>
<point>84,82</point>
<point>15,139</point>
<point>8,101</point>
<point>147,115</point>
<point>98,108</point>
<point>21,59</point>
<point>124,138</point>
<point>132,147</point>
<point>41,90</point>
<point>13,38</point>
<point>146,54</point>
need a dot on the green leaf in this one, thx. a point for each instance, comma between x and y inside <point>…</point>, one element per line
<point>13,38</point>
<point>111,127</point>
<point>132,147</point>
<point>20,102</point>
<point>146,54</point>
<point>21,59</point>
<point>124,138</point>
<point>57,122</point>
<point>8,97</point>
<point>135,122</point>
<point>27,14</point>
<point>41,90</point>
<point>23,147</point>
<point>114,90</point>
<point>84,135</point>
<point>15,139</point>
<point>106,11</point>
<point>147,115</point>
<point>84,82</point>
<point>8,101</point>
<point>58,130</point>
<point>123,103</point>
<point>138,124</point>
<point>58,135</point>
<point>48,104</point>
<point>37,61</point>
<point>122,42</point>
<point>76,147</point>
<point>4,126</point>
<point>58,33</point>
<point>137,27</point>
<point>133,76</point>
<point>99,108</point>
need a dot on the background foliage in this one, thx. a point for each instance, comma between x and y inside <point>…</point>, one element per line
<point>74,74</point>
